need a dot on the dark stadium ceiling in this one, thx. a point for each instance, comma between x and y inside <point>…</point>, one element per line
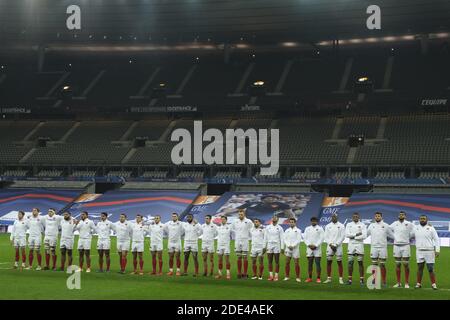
<point>215,21</point>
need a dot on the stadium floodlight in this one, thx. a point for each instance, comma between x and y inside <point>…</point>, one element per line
<point>159,91</point>
<point>258,88</point>
<point>363,85</point>
<point>355,141</point>
<point>289,44</point>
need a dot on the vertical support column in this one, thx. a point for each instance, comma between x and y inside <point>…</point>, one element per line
<point>41,58</point>
<point>226,53</point>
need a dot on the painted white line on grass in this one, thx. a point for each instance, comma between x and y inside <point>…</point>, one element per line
<point>439,289</point>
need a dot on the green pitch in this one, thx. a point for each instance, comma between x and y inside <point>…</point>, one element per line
<point>30,284</point>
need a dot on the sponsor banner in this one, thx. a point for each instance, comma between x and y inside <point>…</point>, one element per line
<point>434,102</point>
<point>14,200</point>
<point>14,110</point>
<point>262,205</point>
<point>330,206</point>
<point>250,108</point>
<point>146,203</point>
<point>436,207</point>
<point>163,109</point>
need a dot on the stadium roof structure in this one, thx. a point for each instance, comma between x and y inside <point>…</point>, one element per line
<point>215,21</point>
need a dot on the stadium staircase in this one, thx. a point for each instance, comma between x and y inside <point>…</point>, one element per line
<point>32,132</point>
<point>127,133</point>
<point>146,85</point>
<point>71,130</point>
<point>345,76</point>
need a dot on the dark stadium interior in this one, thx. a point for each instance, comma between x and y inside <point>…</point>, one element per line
<point>103,101</point>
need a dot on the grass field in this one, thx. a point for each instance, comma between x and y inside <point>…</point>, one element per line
<point>30,284</point>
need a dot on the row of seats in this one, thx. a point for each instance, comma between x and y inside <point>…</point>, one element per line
<point>407,140</point>
<point>213,79</point>
<point>233,174</point>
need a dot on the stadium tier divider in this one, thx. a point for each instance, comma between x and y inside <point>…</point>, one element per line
<point>161,186</point>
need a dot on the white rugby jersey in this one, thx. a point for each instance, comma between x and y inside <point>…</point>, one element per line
<point>36,226</point>
<point>192,231</point>
<point>379,232</point>
<point>19,229</point>
<point>334,233</point>
<point>138,232</point>
<point>174,231</point>
<point>241,229</point>
<point>67,228</point>
<point>402,232</point>
<point>103,229</point>
<point>52,225</point>
<point>292,237</point>
<point>209,232</point>
<point>86,228</point>
<point>257,236</point>
<point>426,238</point>
<point>352,229</point>
<point>223,235</point>
<point>274,235</point>
<point>156,232</point>
<point>313,236</point>
<point>122,230</point>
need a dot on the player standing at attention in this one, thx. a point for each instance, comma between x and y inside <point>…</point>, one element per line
<point>103,229</point>
<point>19,238</point>
<point>139,230</point>
<point>123,231</point>
<point>86,228</point>
<point>379,231</point>
<point>402,230</point>
<point>68,226</point>
<point>274,244</point>
<point>356,231</point>
<point>292,239</point>
<point>257,253</point>
<point>35,238</point>
<point>209,234</point>
<point>51,223</point>
<point>334,236</point>
<point>175,231</point>
<point>427,250</point>
<point>156,231</point>
<point>314,236</point>
<point>192,231</point>
<point>223,246</point>
<point>241,228</point>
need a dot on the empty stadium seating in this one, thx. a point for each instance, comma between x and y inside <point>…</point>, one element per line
<point>83,173</point>
<point>306,175</point>
<point>212,83</point>
<point>119,173</point>
<point>418,140</point>
<point>390,175</point>
<point>191,174</point>
<point>156,174</point>
<point>228,174</point>
<point>49,173</point>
